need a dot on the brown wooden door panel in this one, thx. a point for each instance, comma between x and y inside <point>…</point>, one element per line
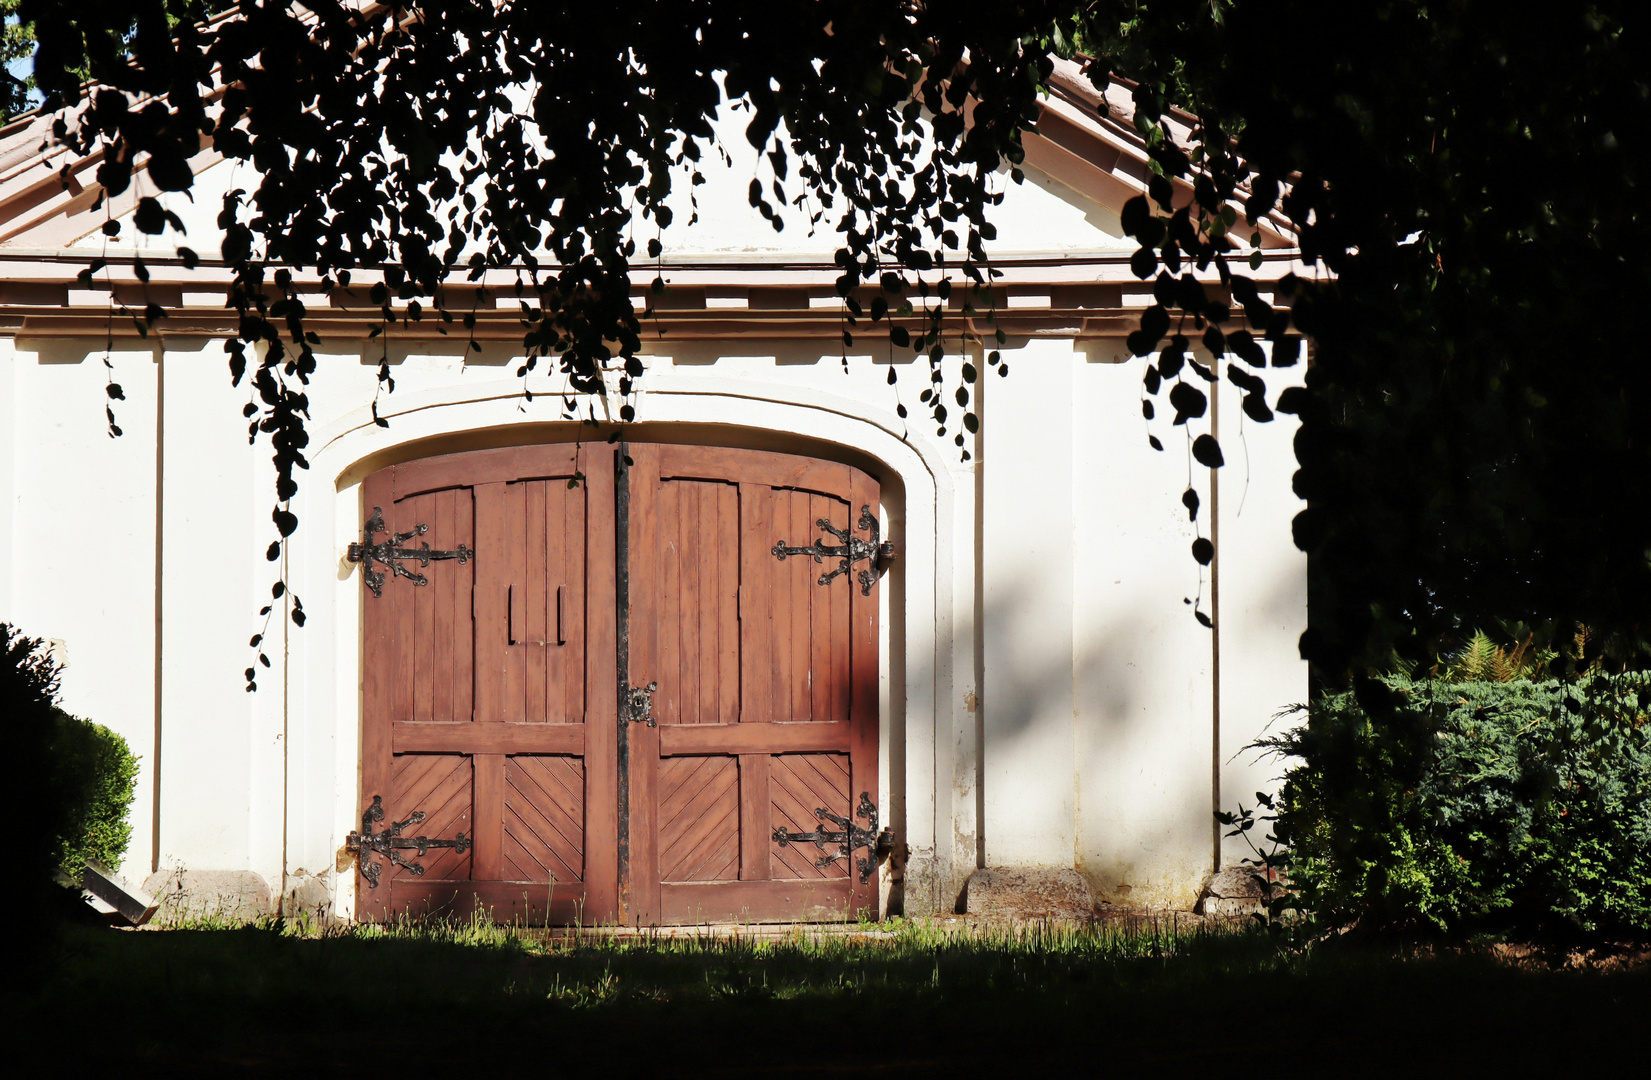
<point>699,823</point>
<point>542,640</point>
<point>758,467</point>
<point>794,630</point>
<point>489,697</point>
<point>434,677</point>
<point>544,821</point>
<point>752,738</point>
<point>699,582</point>
<point>507,464</point>
<point>755,732</point>
<point>491,694</point>
<point>441,785</point>
<point>798,784</point>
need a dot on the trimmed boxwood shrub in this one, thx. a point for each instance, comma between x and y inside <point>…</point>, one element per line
<point>1475,807</point>
<point>99,773</point>
<point>72,783</point>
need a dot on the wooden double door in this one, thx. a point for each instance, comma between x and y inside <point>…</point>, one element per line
<point>509,698</point>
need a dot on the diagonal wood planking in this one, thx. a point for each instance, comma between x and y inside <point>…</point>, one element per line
<point>699,819</point>
<point>441,786</point>
<point>798,784</point>
<point>544,826</point>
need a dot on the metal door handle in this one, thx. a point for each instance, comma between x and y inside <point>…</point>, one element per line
<point>516,613</point>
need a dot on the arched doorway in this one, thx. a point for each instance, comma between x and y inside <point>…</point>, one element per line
<point>508,699</point>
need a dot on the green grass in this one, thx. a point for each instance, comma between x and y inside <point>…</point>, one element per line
<point>914,1000</point>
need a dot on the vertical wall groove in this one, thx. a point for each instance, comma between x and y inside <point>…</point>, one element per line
<point>160,553</point>
<point>1215,642</point>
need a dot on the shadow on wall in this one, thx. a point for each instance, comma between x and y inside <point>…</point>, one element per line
<point>1097,741</point>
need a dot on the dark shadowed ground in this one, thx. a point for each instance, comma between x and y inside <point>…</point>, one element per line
<point>911,1001</point>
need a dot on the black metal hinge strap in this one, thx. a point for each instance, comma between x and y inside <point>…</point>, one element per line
<point>390,841</point>
<point>850,551</point>
<point>851,836</point>
<point>389,553</point>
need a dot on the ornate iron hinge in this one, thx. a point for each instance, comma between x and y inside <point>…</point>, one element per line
<point>389,553</point>
<point>852,550</point>
<point>639,704</point>
<point>390,841</point>
<point>877,844</point>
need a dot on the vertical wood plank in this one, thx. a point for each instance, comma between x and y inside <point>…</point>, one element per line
<point>380,669</point>
<point>644,668</point>
<point>513,694</point>
<point>565,613</point>
<point>444,586</point>
<point>464,617</point>
<point>668,707</point>
<point>755,830</point>
<point>818,705</point>
<point>756,603</point>
<point>791,613</point>
<point>803,593</point>
<point>487,859</point>
<point>863,716</point>
<point>594,627</point>
<point>692,551</point>
<point>412,512</point>
<point>398,614</point>
<point>780,578</point>
<point>491,582</point>
<point>535,553</point>
<point>728,598</point>
<point>841,614</point>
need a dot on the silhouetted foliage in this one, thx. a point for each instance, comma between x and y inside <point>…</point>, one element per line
<point>439,139</point>
<point>44,807</point>
<point>1464,187</point>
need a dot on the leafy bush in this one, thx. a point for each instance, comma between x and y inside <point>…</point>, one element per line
<point>1472,807</point>
<point>99,774</point>
<point>71,784</point>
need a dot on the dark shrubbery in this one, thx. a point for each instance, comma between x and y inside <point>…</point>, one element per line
<point>28,695</point>
<point>1476,807</point>
<point>72,784</point>
<point>98,775</point>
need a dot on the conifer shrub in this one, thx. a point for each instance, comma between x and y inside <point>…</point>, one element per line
<point>1473,807</point>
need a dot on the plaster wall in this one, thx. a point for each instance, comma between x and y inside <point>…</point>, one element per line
<point>82,566</point>
<point>1078,732</point>
<point>1263,599</point>
<point>1048,700</point>
<point>1028,782</point>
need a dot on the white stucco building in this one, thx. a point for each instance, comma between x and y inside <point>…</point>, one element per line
<point>1043,696</point>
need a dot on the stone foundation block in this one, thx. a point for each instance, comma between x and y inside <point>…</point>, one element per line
<point>310,894</point>
<point>1027,893</point>
<point>1236,890</point>
<point>231,895</point>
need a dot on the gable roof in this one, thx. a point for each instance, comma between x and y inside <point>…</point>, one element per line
<point>1084,141</point>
